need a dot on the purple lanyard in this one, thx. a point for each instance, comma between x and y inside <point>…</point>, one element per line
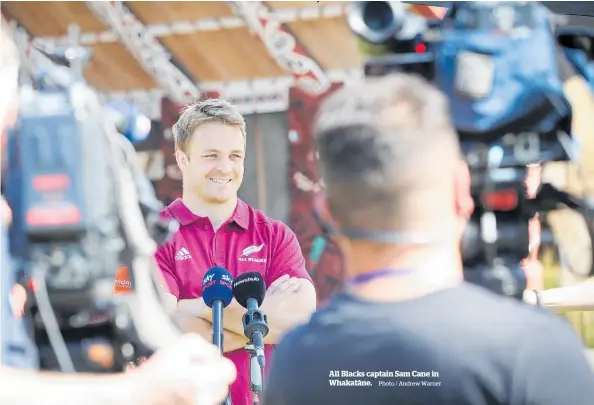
<point>372,275</point>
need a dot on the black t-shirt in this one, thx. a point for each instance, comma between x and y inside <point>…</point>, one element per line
<point>461,346</point>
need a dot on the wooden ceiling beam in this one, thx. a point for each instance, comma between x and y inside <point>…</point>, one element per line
<point>147,50</point>
<point>283,46</point>
<point>283,16</point>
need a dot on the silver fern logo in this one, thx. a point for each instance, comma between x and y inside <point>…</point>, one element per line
<point>251,250</point>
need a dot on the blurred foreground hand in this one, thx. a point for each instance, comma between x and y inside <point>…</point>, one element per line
<point>189,372</point>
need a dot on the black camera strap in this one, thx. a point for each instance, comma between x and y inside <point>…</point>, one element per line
<point>390,237</point>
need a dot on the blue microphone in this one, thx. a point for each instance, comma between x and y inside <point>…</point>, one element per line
<point>217,293</point>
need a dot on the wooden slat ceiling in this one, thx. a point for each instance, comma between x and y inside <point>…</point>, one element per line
<point>232,54</point>
<point>330,42</point>
<point>276,5</point>
<point>219,56</point>
<point>157,12</point>
<point>50,18</point>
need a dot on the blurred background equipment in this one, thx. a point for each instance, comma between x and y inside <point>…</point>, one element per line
<point>66,172</point>
<point>276,61</point>
<point>129,120</point>
<point>507,118</point>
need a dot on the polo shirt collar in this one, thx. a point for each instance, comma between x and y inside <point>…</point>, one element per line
<point>185,217</point>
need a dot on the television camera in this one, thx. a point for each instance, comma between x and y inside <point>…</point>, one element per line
<point>501,66</point>
<point>81,210</point>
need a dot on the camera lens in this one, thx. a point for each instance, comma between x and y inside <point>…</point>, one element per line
<point>376,22</point>
<point>378,15</point>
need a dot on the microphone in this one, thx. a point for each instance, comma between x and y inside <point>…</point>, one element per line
<point>249,290</point>
<point>217,293</point>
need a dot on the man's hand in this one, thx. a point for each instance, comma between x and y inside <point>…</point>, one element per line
<point>283,285</point>
<point>191,371</point>
<point>282,304</point>
<point>191,324</point>
<point>287,304</point>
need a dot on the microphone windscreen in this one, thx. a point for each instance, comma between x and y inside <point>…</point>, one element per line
<point>249,285</point>
<point>217,284</point>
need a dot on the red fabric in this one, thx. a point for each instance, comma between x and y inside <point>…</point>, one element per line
<point>307,194</point>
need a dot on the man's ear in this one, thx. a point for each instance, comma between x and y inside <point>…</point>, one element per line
<point>464,202</point>
<point>182,160</point>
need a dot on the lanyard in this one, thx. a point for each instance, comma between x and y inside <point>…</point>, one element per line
<point>372,275</point>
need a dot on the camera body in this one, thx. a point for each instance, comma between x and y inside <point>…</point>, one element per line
<point>68,231</point>
<point>500,66</point>
<point>65,159</point>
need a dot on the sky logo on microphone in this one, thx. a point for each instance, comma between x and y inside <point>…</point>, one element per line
<point>210,280</point>
<point>227,281</point>
<point>217,287</point>
<point>207,279</point>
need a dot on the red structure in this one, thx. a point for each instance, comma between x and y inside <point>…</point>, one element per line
<point>323,257</point>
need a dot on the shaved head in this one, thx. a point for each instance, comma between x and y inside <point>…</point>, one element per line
<point>388,153</point>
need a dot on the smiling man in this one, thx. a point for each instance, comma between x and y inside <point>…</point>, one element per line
<point>218,229</point>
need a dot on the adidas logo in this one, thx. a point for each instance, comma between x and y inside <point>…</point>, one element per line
<point>183,254</point>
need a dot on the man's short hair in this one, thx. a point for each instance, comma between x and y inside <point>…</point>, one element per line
<point>380,141</point>
<point>201,112</point>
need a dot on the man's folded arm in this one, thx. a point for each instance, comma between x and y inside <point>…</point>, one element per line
<point>288,309</point>
<point>284,310</point>
<point>291,307</point>
<point>192,316</point>
<point>231,318</point>
<point>285,307</point>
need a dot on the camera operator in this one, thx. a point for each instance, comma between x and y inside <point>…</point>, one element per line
<point>189,371</point>
<point>407,328</point>
<point>577,179</point>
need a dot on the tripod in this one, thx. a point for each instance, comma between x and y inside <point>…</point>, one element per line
<point>256,372</point>
<point>255,328</point>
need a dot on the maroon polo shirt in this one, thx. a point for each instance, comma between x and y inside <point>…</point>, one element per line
<point>248,241</point>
